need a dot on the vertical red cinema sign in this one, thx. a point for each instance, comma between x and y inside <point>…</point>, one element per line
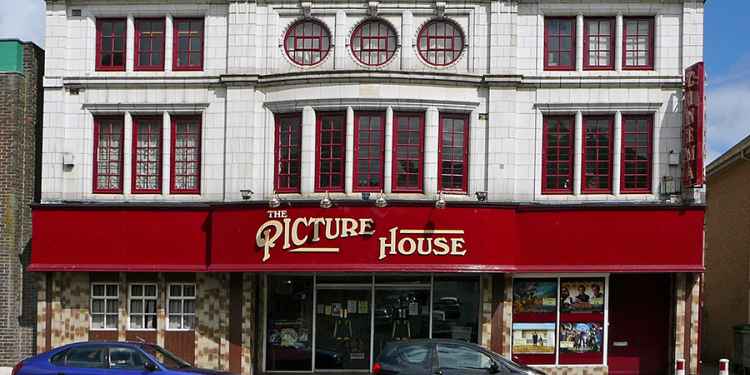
<point>692,127</point>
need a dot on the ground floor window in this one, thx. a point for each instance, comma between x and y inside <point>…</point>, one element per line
<point>559,320</point>
<point>346,320</point>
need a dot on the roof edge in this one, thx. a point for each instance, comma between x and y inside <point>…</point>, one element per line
<point>729,157</point>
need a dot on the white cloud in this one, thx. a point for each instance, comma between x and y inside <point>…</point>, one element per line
<point>728,110</point>
<point>22,19</point>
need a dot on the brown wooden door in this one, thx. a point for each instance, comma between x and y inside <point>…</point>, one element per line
<point>639,328</point>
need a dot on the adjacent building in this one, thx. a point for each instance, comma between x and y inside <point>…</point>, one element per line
<point>21,70</point>
<point>284,186</point>
<point>726,302</point>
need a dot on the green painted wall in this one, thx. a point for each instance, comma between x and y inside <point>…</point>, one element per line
<point>11,56</point>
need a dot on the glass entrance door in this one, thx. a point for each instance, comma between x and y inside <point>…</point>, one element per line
<point>401,313</point>
<point>342,337</point>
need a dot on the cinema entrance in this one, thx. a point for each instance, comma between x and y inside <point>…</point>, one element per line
<point>325,321</point>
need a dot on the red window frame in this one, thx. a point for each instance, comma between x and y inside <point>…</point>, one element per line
<point>284,154</point>
<point>111,67</point>
<point>447,157</point>
<point>650,41</point>
<point>548,151</point>
<point>158,122</point>
<point>594,150</point>
<point>386,40</point>
<point>99,122</point>
<point>364,138</point>
<point>396,188</point>
<point>449,46</point>
<point>330,159</point>
<point>548,37</point>
<point>296,44</point>
<point>176,121</point>
<point>637,135</point>
<point>190,66</point>
<point>587,43</point>
<point>139,49</point>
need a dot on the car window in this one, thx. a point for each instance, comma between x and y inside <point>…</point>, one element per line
<point>461,357</point>
<point>126,359</point>
<point>87,356</point>
<point>166,358</point>
<point>414,354</point>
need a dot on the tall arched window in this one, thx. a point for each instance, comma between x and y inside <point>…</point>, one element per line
<point>307,42</point>
<point>440,42</point>
<point>374,42</point>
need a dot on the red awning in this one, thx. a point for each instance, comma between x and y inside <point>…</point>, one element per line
<point>367,239</point>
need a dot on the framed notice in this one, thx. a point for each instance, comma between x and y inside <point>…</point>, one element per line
<point>582,296</point>
<point>533,338</point>
<point>581,337</point>
<point>534,296</point>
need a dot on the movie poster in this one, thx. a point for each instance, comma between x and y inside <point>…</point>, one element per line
<point>581,337</point>
<point>534,296</point>
<point>533,338</point>
<point>582,296</point>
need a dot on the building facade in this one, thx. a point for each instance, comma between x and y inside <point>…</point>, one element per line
<point>727,304</point>
<point>21,70</point>
<point>265,186</point>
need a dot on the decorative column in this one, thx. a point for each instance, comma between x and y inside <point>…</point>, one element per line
<point>388,159</point>
<point>130,44</point>
<point>166,153</point>
<point>617,154</point>
<point>431,138</point>
<point>349,161</point>
<point>168,44</point>
<point>308,151</point>
<point>618,42</point>
<point>126,145</point>
<point>577,154</point>
<point>579,42</point>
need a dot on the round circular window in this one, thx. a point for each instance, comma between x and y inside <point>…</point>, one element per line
<point>440,42</point>
<point>374,42</point>
<point>307,42</point>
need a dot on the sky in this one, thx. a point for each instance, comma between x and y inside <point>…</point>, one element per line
<point>726,54</point>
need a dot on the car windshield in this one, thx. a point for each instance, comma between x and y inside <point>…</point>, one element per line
<point>166,358</point>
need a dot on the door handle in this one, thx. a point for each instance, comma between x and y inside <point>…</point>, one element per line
<point>439,372</point>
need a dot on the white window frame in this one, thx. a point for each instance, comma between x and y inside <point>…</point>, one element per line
<point>558,277</point>
<point>143,298</point>
<point>105,298</point>
<point>182,300</point>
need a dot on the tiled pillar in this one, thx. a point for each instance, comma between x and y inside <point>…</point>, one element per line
<point>122,311</point>
<point>349,160</point>
<point>308,150</point>
<point>617,154</point>
<point>485,335</point>
<point>127,148</point>
<point>340,54</point>
<point>168,44</point>
<point>618,42</point>
<point>212,316</point>
<point>407,29</point>
<point>431,138</point>
<point>166,152</point>
<point>579,42</point>
<point>578,154</point>
<point>161,309</point>
<point>249,290</point>
<point>388,159</point>
<point>507,315</point>
<point>41,312</point>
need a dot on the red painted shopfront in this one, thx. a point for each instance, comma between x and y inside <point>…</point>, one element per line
<point>565,252</point>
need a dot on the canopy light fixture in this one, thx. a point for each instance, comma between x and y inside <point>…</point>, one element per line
<point>481,196</point>
<point>326,201</point>
<point>274,202</point>
<point>380,202</point>
<point>246,194</point>
<point>440,202</point>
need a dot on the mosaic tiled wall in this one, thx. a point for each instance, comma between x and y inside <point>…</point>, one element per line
<point>212,314</point>
<point>486,324</point>
<point>70,308</point>
<point>687,295</point>
<point>41,313</point>
<point>249,290</point>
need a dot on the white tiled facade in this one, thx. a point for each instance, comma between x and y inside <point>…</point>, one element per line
<point>499,80</point>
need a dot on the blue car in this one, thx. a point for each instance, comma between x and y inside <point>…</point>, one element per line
<point>107,358</point>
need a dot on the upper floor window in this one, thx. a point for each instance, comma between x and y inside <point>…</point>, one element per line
<point>597,154</point>
<point>104,305</point>
<point>142,306</point>
<point>638,43</point>
<point>149,44</point>
<point>598,38</point>
<point>110,44</point>
<point>307,42</point>
<point>147,154</point>
<point>373,42</point>
<point>288,152</point>
<point>636,154</point>
<point>453,154</point>
<point>369,134</point>
<point>440,42</point>
<point>331,152</point>
<point>186,154</point>
<point>557,155</point>
<point>188,44</point>
<point>108,154</point>
<point>408,152</point>
<point>559,43</point>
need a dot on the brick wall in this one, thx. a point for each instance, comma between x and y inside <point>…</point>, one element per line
<point>20,137</point>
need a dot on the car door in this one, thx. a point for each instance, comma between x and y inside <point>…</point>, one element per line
<point>415,358</point>
<point>456,359</point>
<point>125,360</point>
<point>81,360</point>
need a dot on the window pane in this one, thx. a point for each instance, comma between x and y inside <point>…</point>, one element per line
<point>289,327</point>
<point>455,311</point>
<point>461,358</point>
